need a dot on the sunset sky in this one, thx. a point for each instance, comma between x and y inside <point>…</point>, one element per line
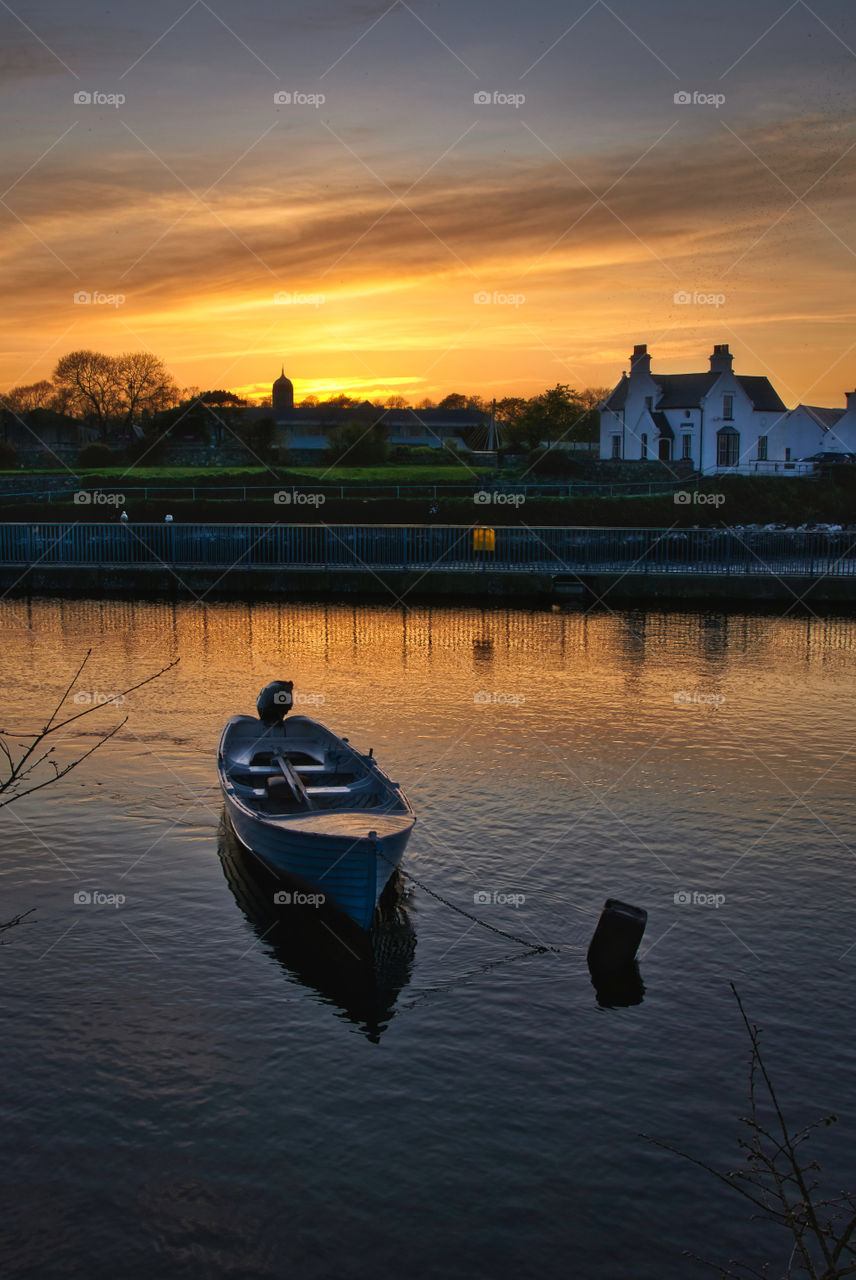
<point>380,214</point>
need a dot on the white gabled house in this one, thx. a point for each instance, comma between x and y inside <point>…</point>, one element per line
<point>718,421</point>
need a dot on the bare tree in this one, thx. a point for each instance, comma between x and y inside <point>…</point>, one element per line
<point>93,380</point>
<point>36,395</point>
<point>28,765</point>
<point>144,383</point>
<point>783,1188</point>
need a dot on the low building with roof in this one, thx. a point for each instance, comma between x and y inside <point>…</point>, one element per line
<point>305,431</point>
<point>818,430</point>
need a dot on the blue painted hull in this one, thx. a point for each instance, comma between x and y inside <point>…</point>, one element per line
<point>352,874</point>
<point>348,855</point>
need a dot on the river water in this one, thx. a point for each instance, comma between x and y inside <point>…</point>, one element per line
<point>196,1084</point>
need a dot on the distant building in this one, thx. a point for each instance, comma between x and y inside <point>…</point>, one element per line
<point>310,429</point>
<point>42,434</point>
<point>717,420</point>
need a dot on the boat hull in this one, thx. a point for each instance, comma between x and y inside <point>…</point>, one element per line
<point>345,851</point>
<point>350,873</point>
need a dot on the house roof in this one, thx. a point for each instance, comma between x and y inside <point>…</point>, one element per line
<point>825,418</point>
<point>661,422</point>
<point>683,390</point>
<point>687,390</point>
<point>617,398</point>
<point>762,394</point>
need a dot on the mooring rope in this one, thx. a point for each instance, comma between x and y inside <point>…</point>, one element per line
<point>537,947</point>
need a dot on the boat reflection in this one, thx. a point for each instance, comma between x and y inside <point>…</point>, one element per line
<point>358,972</point>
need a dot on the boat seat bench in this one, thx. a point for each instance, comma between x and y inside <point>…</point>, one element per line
<point>268,771</point>
<point>310,791</point>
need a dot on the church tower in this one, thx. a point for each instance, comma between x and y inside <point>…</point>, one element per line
<point>282,392</point>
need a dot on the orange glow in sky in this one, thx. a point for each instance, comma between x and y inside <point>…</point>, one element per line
<point>408,236</point>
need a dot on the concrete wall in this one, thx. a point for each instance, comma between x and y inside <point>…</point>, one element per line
<point>693,591</point>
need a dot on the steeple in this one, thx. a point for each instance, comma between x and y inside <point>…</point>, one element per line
<point>282,392</point>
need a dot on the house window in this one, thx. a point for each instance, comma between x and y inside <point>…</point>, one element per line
<point>762,448</point>
<point>649,403</point>
<point>616,446</point>
<point>686,448</point>
<point>787,455</point>
<point>664,450</point>
<point>644,450</point>
<point>728,408</point>
<point>727,448</point>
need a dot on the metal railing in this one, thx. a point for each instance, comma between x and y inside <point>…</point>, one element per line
<point>771,467</point>
<point>554,550</point>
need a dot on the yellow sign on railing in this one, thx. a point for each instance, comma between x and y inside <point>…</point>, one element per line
<point>484,540</point>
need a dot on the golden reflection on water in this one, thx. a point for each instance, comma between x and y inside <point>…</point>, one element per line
<point>403,674</point>
<point>334,628</point>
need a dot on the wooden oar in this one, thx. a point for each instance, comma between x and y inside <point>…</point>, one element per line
<point>293,780</point>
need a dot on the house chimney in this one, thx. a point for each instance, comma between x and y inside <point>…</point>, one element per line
<point>851,402</point>
<point>722,360</point>
<point>640,361</point>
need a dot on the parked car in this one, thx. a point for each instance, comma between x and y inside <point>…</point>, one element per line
<point>830,459</point>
